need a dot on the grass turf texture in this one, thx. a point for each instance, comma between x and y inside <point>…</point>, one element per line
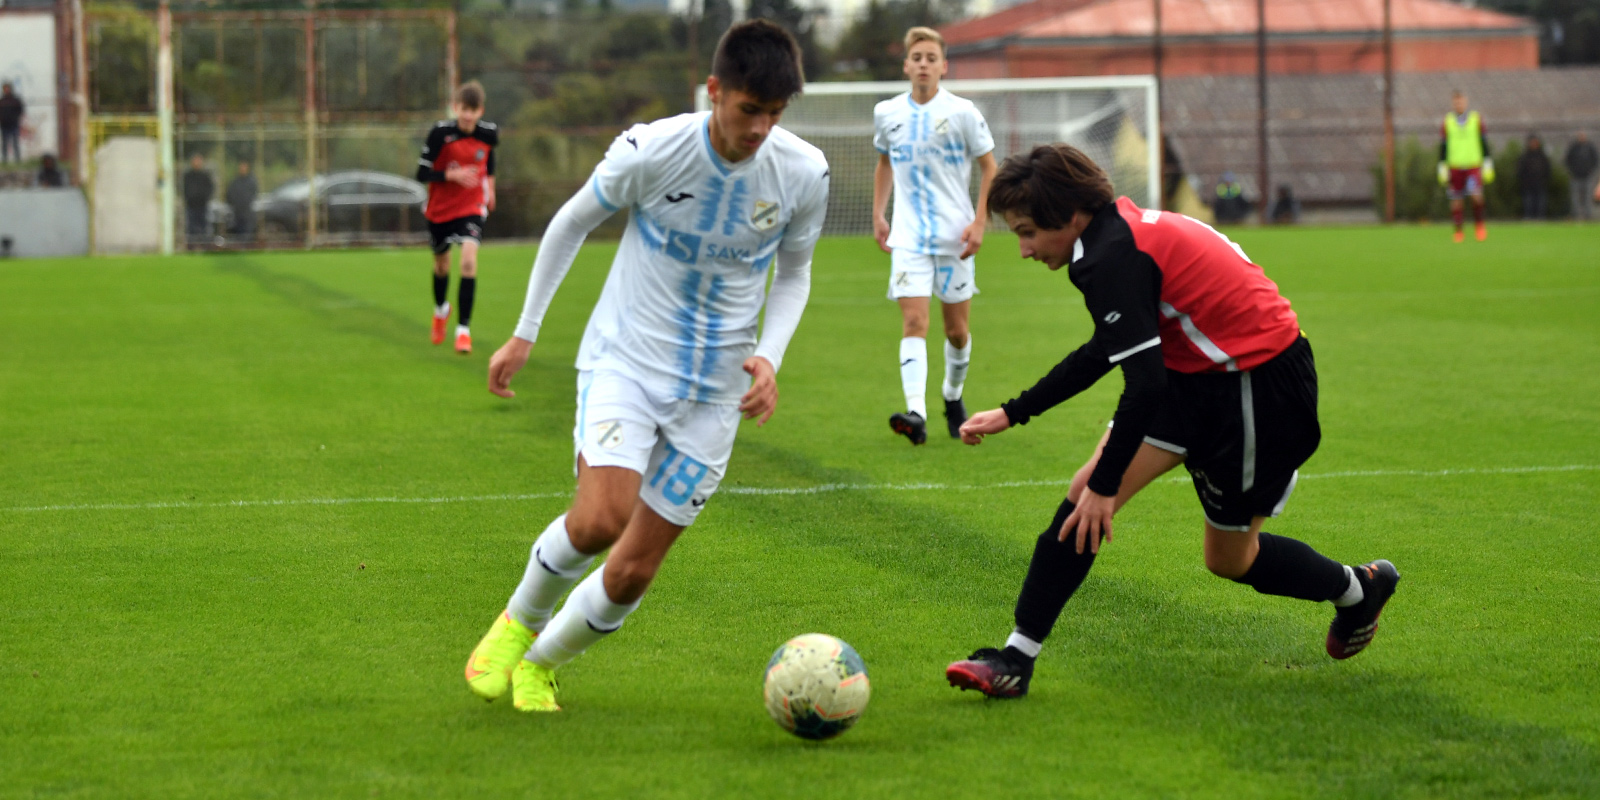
<point>205,649</point>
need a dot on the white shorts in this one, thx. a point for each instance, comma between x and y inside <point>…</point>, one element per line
<point>917,275</point>
<point>679,447</point>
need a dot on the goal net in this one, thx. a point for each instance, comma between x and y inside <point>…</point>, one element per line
<point>1110,118</point>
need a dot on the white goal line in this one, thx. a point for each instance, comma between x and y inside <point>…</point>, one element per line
<point>763,491</point>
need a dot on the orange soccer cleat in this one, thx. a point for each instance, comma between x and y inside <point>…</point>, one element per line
<point>439,323</point>
<point>1458,237</point>
<point>1480,230</point>
<point>463,342</point>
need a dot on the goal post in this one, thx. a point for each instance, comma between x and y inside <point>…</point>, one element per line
<point>1112,118</point>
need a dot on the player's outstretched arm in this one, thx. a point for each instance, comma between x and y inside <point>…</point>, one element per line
<point>567,230</point>
<point>982,424</point>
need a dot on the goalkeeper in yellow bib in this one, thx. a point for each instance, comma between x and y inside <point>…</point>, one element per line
<point>1464,163</point>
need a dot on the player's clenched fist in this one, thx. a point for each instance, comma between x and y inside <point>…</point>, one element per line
<point>505,363</point>
<point>984,423</point>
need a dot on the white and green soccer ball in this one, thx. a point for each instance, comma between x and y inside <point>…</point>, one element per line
<point>816,686</point>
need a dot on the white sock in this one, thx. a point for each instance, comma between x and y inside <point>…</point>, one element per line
<point>955,368</point>
<point>442,310</point>
<point>1029,647</point>
<point>914,373</point>
<point>463,330</point>
<point>553,566</point>
<point>1352,595</point>
<point>586,618</point>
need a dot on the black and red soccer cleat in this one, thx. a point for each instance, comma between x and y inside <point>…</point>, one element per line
<point>996,673</point>
<point>1354,626</point>
<point>911,425</point>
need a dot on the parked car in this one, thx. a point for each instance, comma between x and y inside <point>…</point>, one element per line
<point>352,204</point>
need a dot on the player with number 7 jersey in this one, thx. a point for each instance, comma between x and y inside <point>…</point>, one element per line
<point>717,202</point>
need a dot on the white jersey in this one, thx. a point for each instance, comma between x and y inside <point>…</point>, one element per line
<point>681,305</point>
<point>930,148</point>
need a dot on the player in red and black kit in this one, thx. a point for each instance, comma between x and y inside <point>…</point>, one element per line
<point>458,166</point>
<point>1217,378</point>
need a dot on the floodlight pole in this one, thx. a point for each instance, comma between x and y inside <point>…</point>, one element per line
<point>311,123</point>
<point>1155,128</point>
<point>452,47</point>
<point>1263,172</point>
<point>1388,111</point>
<point>164,91</point>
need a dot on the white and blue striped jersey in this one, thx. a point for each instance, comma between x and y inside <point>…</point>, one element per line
<point>681,305</point>
<point>931,148</point>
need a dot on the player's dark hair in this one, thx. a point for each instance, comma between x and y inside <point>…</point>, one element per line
<point>1049,184</point>
<point>470,94</point>
<point>760,58</point>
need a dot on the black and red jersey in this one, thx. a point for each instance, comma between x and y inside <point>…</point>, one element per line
<point>448,146</point>
<point>1166,292</point>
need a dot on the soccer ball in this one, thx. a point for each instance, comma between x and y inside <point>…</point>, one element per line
<point>816,686</point>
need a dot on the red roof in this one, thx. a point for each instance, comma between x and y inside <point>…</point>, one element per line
<point>1084,19</point>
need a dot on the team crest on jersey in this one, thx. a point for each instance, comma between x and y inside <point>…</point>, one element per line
<point>480,155</point>
<point>765,215</point>
<point>942,126</point>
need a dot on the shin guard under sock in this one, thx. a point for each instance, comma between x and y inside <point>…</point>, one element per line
<point>464,295</point>
<point>441,288</point>
<point>1054,574</point>
<point>1290,568</point>
<point>553,566</point>
<point>588,616</point>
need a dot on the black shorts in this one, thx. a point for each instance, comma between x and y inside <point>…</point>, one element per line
<point>1243,435</point>
<point>461,229</point>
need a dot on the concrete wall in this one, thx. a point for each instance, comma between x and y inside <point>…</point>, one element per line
<point>28,62</point>
<point>45,222</point>
<point>127,207</point>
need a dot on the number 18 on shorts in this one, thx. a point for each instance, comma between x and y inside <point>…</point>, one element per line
<point>680,448</point>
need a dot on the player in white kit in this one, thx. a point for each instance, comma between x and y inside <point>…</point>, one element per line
<point>927,141</point>
<point>670,358</point>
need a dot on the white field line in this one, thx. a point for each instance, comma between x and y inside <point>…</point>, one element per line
<point>768,490</point>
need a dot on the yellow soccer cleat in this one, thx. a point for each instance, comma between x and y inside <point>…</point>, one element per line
<point>489,667</point>
<point>533,688</point>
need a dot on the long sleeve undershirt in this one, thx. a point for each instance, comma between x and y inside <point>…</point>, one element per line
<point>1121,288</point>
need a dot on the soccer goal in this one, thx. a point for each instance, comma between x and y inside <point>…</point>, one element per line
<point>1111,118</point>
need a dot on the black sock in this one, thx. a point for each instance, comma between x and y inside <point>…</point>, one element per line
<point>1056,571</point>
<point>441,288</point>
<point>1290,568</point>
<point>469,287</point>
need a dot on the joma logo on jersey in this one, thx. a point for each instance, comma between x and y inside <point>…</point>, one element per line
<point>765,215</point>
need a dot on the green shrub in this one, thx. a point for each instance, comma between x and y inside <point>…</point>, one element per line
<point>1418,197</point>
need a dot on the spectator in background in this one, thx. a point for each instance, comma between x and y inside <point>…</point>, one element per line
<point>11,110</point>
<point>198,188</point>
<point>241,196</point>
<point>1230,205</point>
<point>1582,162</point>
<point>49,173</point>
<point>1533,175</point>
<point>1285,209</point>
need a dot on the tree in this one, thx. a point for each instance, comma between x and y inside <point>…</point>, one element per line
<point>871,46</point>
<point>1569,30</point>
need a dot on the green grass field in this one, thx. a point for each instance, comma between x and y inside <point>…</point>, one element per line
<point>253,523</point>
